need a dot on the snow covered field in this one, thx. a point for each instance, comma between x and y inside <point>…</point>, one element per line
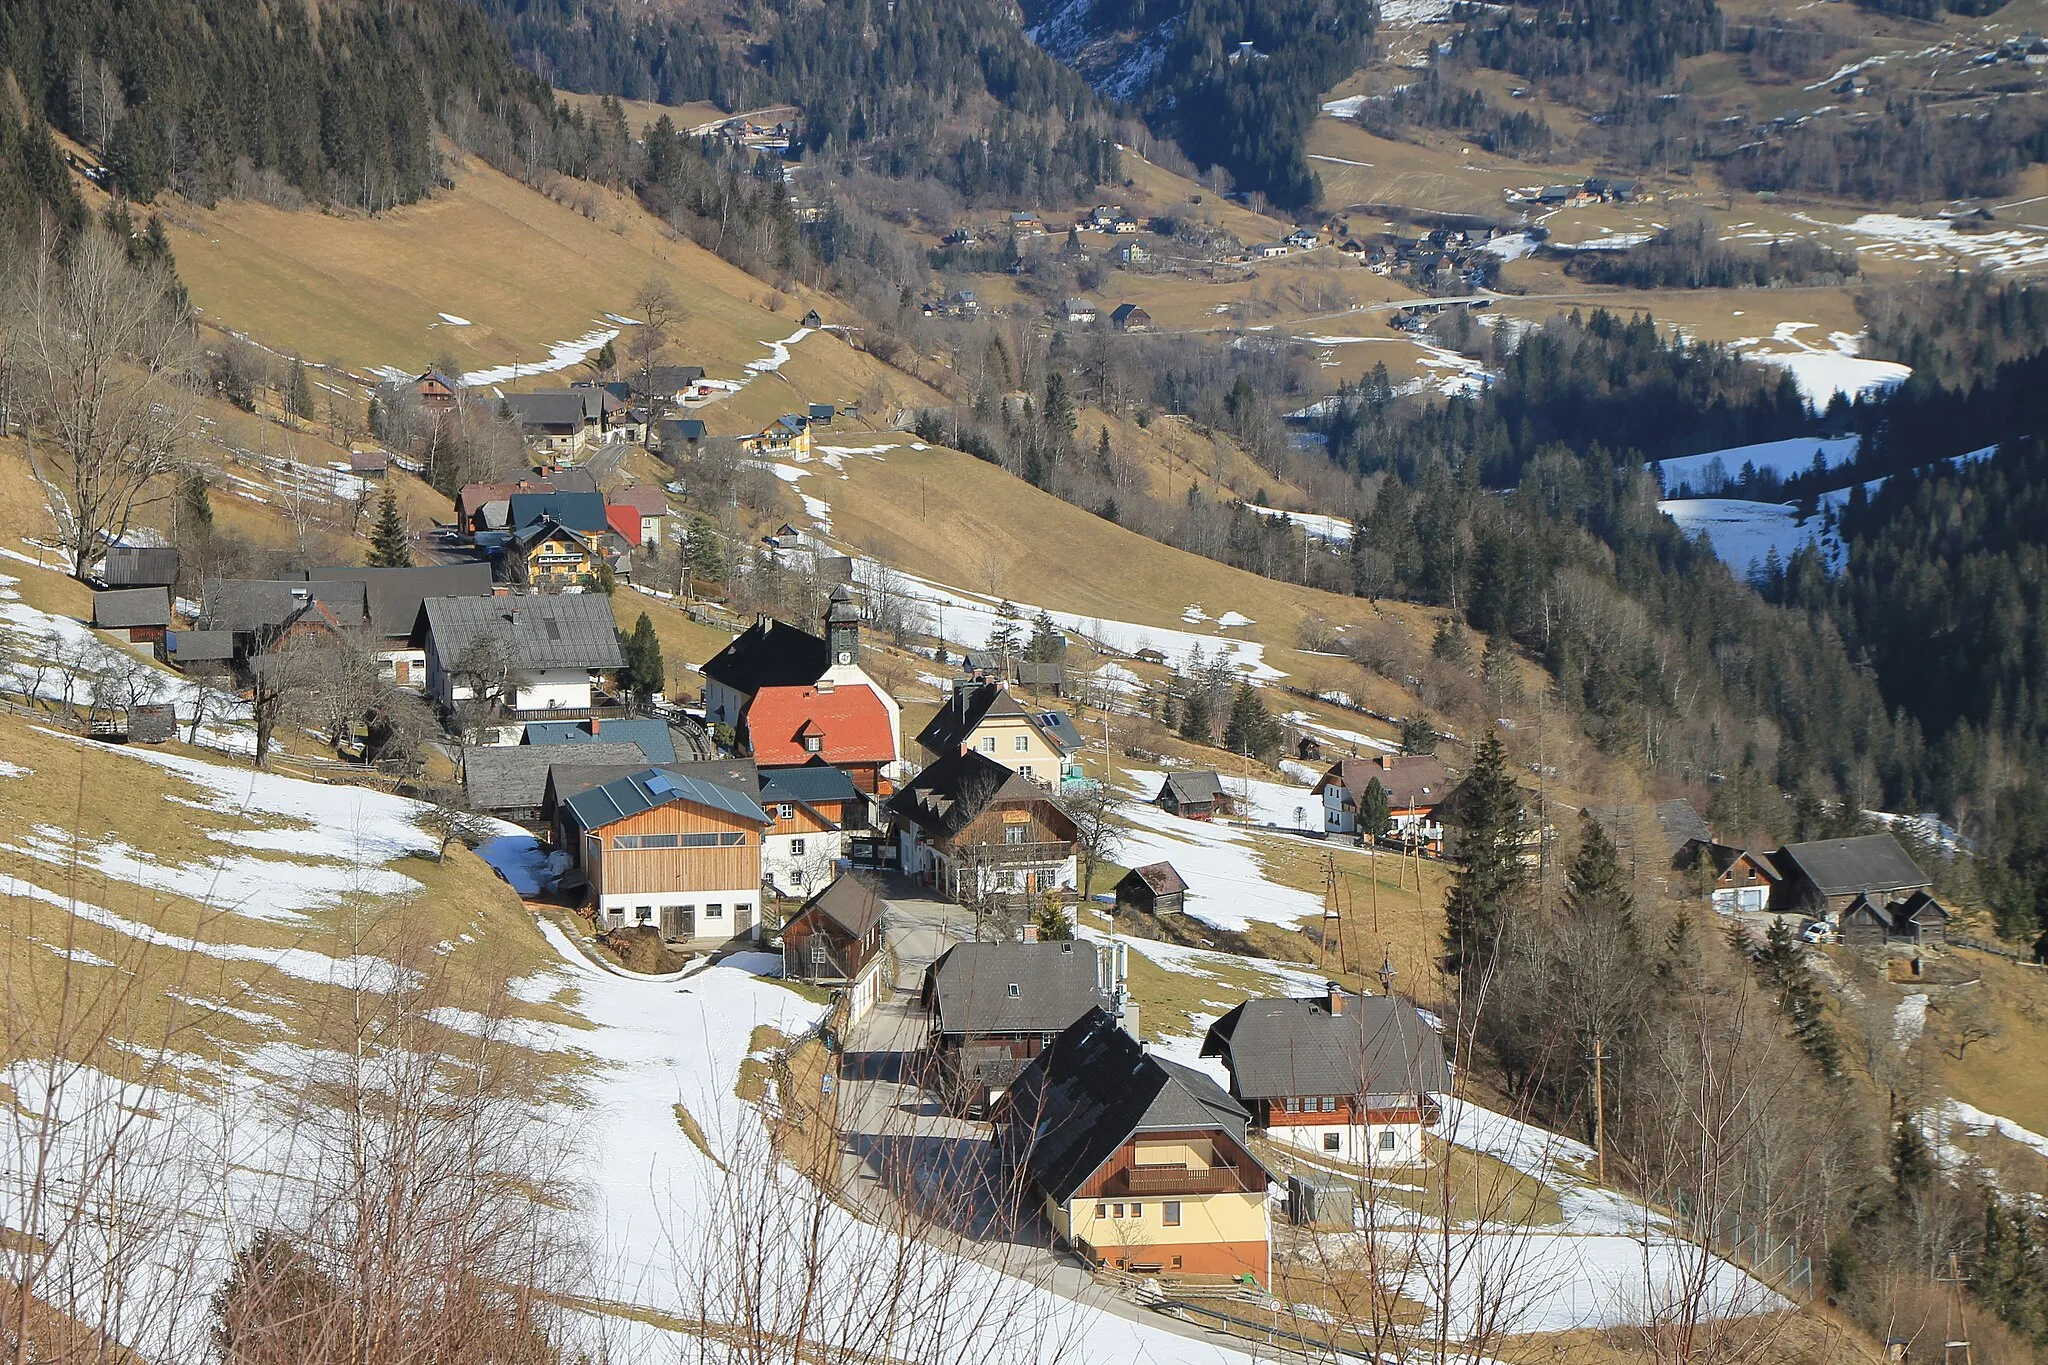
<point>1743,534</point>
<point>1707,472</point>
<point>1823,371</point>
<point>1227,888</point>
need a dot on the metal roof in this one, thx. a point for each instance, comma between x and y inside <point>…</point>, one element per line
<point>553,407</point>
<point>812,782</point>
<point>1193,789</point>
<point>393,596</point>
<point>852,901</point>
<point>140,566</point>
<point>569,631</point>
<point>970,987</point>
<point>653,737</point>
<point>649,788</point>
<point>577,511</point>
<point>119,608</point>
<point>199,646</point>
<point>1842,867</point>
<point>1379,1047</point>
<point>247,604</point>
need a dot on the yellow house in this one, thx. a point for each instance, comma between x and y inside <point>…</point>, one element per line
<point>985,718</point>
<point>548,554</point>
<point>789,434</point>
<point>1139,1163</point>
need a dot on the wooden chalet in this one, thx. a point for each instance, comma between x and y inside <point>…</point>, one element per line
<point>1155,889</point>
<point>1193,795</point>
<point>992,1007</point>
<point>837,934</point>
<point>972,828</point>
<point>1824,877</point>
<point>1736,878</point>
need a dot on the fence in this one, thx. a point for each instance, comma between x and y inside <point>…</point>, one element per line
<point>1995,949</point>
<point>1777,1261</point>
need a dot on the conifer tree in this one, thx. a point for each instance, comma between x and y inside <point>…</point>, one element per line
<point>1047,643</point>
<point>1196,722</point>
<point>1251,728</point>
<point>1007,635</point>
<point>390,546</point>
<point>1418,735</point>
<point>1375,811</point>
<point>1596,888</point>
<point>644,673</point>
<point>1054,924</point>
<point>1494,827</point>
<point>298,392</point>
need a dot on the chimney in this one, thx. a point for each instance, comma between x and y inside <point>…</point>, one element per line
<point>595,722</point>
<point>1333,995</point>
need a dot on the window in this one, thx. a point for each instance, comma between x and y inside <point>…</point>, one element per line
<point>1176,1263</point>
<point>1116,1210</point>
<point>1014,834</point>
<point>643,913</point>
<point>988,744</point>
<point>813,743</point>
<point>714,911</point>
<point>1386,1139</point>
<point>1014,991</point>
<point>796,850</point>
<point>1333,1142</point>
<point>786,811</point>
<point>1137,1210</point>
<point>1102,1210</point>
<point>731,838</point>
<point>1023,744</point>
<point>1329,1104</point>
<point>1023,770</point>
<point>1169,1214</point>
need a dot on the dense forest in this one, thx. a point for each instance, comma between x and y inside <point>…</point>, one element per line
<point>1692,256</point>
<point>1911,151</point>
<point>1639,41</point>
<point>227,97</point>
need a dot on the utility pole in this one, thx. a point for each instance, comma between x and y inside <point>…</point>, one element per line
<point>1955,1336</point>
<point>1600,1108</point>
<point>1333,917</point>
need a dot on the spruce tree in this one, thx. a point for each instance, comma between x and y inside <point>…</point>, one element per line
<point>1054,924</point>
<point>390,547</point>
<point>1047,644</point>
<point>1196,722</point>
<point>1375,811</point>
<point>1493,829</point>
<point>644,674</point>
<point>298,392</point>
<point>701,551</point>
<point>1251,729</point>
<point>1005,638</point>
<point>1596,887</point>
<point>1418,735</point>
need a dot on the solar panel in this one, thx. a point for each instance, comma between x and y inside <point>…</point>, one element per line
<point>660,785</point>
<point>553,629</point>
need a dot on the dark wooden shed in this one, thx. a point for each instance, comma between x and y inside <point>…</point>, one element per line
<point>1156,889</point>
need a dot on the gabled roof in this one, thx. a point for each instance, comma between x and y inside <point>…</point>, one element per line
<point>1721,857</point>
<point>809,785</point>
<point>1841,867</point>
<point>653,737</point>
<point>1159,878</point>
<point>769,653</point>
<point>1192,789</point>
<point>1059,727</point>
<point>970,988</point>
<point>648,499</point>
<point>1379,1047</point>
<point>248,604</point>
<point>473,496</point>
<point>950,794</point>
<point>200,646</point>
<point>140,566</point>
<point>1124,312</point>
<point>963,712</point>
<point>1412,781</point>
<point>570,631</point>
<point>394,596</point>
<point>515,776</point>
<point>121,608</point>
<point>852,901</point>
<point>624,522</point>
<point>850,723</point>
<point>667,379</point>
<point>1094,1090</point>
<point>570,774</point>
<point>650,788</point>
<point>554,408</point>
<point>577,511</point>
<point>1920,908</point>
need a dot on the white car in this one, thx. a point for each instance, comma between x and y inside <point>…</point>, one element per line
<point>1818,931</point>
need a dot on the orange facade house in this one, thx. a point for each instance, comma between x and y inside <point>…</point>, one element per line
<point>1139,1163</point>
<point>678,853</point>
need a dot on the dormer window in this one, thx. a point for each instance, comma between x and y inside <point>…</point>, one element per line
<point>813,743</point>
<point>1014,991</point>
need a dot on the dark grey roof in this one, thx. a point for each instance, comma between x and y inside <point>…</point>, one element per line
<point>395,595</point>
<point>970,705</point>
<point>579,511</point>
<point>200,646</point>
<point>1677,823</point>
<point>573,480</point>
<point>119,608</point>
<point>969,987</point>
<point>666,380</point>
<point>1843,867</point>
<point>1061,727</point>
<point>140,566</point>
<point>1193,789</point>
<point>649,788</point>
<point>554,409</point>
<point>812,782</point>
<point>570,776</point>
<point>947,796</point>
<point>571,631</point>
<point>852,901</point>
<point>1092,1091</point>
<point>769,653</point>
<point>515,777</point>
<point>1161,879</point>
<point>248,604</point>
<point>1379,1047</point>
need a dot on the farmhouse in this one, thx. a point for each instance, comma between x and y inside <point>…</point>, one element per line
<point>1415,785</point>
<point>1352,1077</point>
<point>562,423</point>
<point>994,1006</point>
<point>1080,310</point>
<point>1738,878</point>
<point>663,849</point>
<point>141,616</point>
<point>1194,795</point>
<point>1139,1163</point>
<point>649,504</point>
<point>1826,876</point>
<point>1130,253</point>
<point>549,556</point>
<point>789,434</point>
<point>393,599</point>
<point>510,781</point>
<point>524,658</point>
<point>1129,317</point>
<point>972,828</point>
<point>1155,889</point>
<point>985,717</point>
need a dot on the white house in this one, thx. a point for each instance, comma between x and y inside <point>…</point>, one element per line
<point>536,656</point>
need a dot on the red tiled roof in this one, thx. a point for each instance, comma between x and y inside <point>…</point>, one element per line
<point>626,521</point>
<point>851,722</point>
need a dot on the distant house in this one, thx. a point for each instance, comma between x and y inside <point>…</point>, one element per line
<point>821,414</point>
<point>1027,225</point>
<point>1154,889</point>
<point>1610,190</point>
<point>986,717</point>
<point>1918,920</point>
<point>549,556</point>
<point>1129,317</point>
<point>665,385</point>
<point>994,1006</point>
<point>510,781</point>
<point>674,852</point>
<point>1267,251</point>
<point>1825,877</point>
<point>789,434</point>
<point>837,935</point>
<point>1124,224</point>
<point>1130,253</point>
<point>1352,1078</point>
<point>261,614</point>
<point>811,318</point>
<point>140,566</point>
<point>679,435</point>
<point>1416,785</point>
<point>1303,240</point>
<point>1080,310</point>
<point>972,828</point>
<point>649,501</point>
<point>526,656</point>
<point>1740,878</point>
<point>141,616</point>
<point>200,653</point>
<point>373,463</point>
<point>581,512</point>
<point>571,740</point>
<point>1138,1163</point>
<point>561,422</point>
<point>1193,795</point>
<point>393,599</point>
<point>488,506</point>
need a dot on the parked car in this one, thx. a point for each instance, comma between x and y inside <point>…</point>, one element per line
<point>1818,931</point>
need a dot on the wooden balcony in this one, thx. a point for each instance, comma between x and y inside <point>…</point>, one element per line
<point>1173,1180</point>
<point>1003,855</point>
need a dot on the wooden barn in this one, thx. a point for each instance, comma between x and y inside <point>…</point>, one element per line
<point>1155,889</point>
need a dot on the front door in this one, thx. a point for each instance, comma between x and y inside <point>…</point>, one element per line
<point>679,921</point>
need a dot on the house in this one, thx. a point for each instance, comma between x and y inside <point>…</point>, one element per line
<point>811,318</point>
<point>1415,785</point>
<point>1267,251</point>
<point>1654,837</point>
<point>813,807</point>
<point>1825,877</point>
<point>1350,1077</point>
<point>1452,814</point>
<point>1155,889</point>
<point>625,525</point>
<point>985,717</point>
<point>1193,795</point>
<point>665,384</point>
<point>1123,225</point>
<point>663,849</point>
<point>573,773</point>
<point>1918,920</point>
<point>434,391</point>
<point>1738,878</point>
<point>200,653</point>
<point>1609,190</point>
<point>991,1007</point>
<point>549,556</point>
<point>649,501</point>
<point>837,935</point>
<point>972,828</point>
<point>373,463</point>
<point>511,781</point>
<point>140,566</point>
<point>261,614</point>
<point>789,434</point>
<point>488,506</point>
<point>678,435</point>
<point>847,727</point>
<point>520,657</point>
<point>141,616</point>
<point>775,654</point>
<point>573,738</point>
<point>1139,1163</point>
<point>1303,240</point>
<point>1027,225</point>
<point>1129,317</point>
<point>578,511</point>
<point>393,599</point>
<point>561,422</point>
<point>1080,310</point>
<point>1130,253</point>
<point>1552,195</point>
